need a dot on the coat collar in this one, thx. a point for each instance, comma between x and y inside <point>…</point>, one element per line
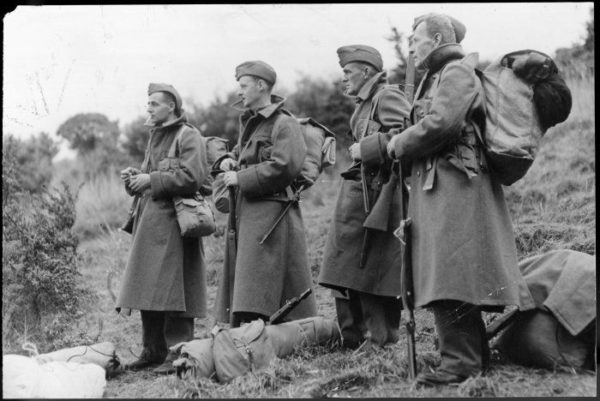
<point>267,111</point>
<point>442,55</point>
<point>179,120</point>
<point>370,86</point>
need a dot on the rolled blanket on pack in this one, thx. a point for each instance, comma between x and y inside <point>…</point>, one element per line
<point>196,356</point>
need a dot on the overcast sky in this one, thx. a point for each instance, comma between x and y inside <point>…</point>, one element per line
<point>63,60</point>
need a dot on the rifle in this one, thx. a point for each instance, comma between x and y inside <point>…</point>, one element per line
<point>295,198</point>
<point>290,304</point>
<point>403,234</point>
<point>225,290</point>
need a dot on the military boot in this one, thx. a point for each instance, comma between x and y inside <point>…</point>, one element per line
<point>462,343</point>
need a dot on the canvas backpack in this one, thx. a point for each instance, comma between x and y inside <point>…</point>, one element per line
<point>320,149</point>
<point>216,147</point>
<point>513,127</point>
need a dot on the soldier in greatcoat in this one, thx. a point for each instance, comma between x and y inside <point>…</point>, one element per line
<point>262,168</point>
<point>165,276</point>
<point>464,258</point>
<point>361,260</point>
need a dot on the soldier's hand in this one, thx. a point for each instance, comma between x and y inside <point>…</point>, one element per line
<point>139,182</point>
<point>128,172</point>
<point>230,179</point>
<point>391,146</point>
<point>228,165</point>
<point>354,150</point>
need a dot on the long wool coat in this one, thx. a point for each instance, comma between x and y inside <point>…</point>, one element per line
<point>166,272</point>
<point>270,157</point>
<point>379,108</point>
<point>463,246</point>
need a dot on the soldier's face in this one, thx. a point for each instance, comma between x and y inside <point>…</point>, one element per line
<point>420,44</point>
<point>355,76</point>
<point>249,91</point>
<point>159,107</point>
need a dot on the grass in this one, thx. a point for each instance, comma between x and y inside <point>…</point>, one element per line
<point>552,207</point>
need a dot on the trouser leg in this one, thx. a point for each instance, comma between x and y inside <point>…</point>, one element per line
<point>462,342</point>
<point>155,346</point>
<point>382,317</point>
<point>240,318</point>
<point>177,329</point>
<point>350,319</point>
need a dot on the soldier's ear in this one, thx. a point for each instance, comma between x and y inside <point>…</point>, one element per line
<point>366,71</point>
<point>437,38</point>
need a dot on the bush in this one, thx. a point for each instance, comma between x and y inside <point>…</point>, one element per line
<point>42,295</point>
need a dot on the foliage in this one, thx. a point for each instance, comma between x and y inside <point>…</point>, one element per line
<point>86,131</point>
<point>136,139</point>
<point>41,292</point>
<point>32,160</point>
<point>326,103</point>
<point>577,61</point>
<point>96,140</point>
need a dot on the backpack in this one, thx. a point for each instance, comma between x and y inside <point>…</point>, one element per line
<point>215,148</point>
<point>524,96</point>
<point>320,149</point>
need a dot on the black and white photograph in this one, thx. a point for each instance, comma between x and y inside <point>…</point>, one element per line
<point>324,200</point>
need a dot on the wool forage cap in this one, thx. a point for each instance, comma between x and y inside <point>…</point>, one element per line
<point>459,28</point>
<point>362,53</point>
<point>153,87</point>
<point>256,68</point>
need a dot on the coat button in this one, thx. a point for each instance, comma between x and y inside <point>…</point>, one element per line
<point>418,173</point>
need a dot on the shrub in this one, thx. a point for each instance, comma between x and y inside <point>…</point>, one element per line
<point>42,295</point>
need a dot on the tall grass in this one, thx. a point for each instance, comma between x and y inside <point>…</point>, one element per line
<point>554,205</point>
<point>101,203</point>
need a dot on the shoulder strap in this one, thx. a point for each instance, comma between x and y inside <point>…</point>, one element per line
<point>173,149</point>
<point>279,119</point>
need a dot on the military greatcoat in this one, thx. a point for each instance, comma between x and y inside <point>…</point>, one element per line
<point>270,153</point>
<point>380,107</point>
<point>462,235</point>
<point>166,272</point>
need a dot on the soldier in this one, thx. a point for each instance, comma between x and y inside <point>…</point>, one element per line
<point>262,168</point>
<point>464,258</point>
<point>165,275</point>
<point>362,257</point>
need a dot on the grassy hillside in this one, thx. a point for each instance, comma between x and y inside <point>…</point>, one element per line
<point>552,207</point>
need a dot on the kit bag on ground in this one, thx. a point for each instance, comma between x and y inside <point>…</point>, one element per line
<point>524,96</point>
<point>194,214</point>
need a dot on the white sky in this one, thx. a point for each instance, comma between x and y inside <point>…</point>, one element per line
<point>64,60</point>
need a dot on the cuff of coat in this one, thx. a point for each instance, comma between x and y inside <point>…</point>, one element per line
<point>248,181</point>
<point>372,150</point>
<point>399,147</point>
<point>157,188</point>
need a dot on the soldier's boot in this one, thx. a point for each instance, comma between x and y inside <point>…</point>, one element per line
<point>350,320</point>
<point>382,318</point>
<point>176,330</point>
<point>462,343</point>
<point>155,347</point>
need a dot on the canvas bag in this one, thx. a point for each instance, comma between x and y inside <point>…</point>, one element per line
<point>536,338</point>
<point>320,149</point>
<point>242,349</point>
<point>194,214</point>
<point>512,127</point>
